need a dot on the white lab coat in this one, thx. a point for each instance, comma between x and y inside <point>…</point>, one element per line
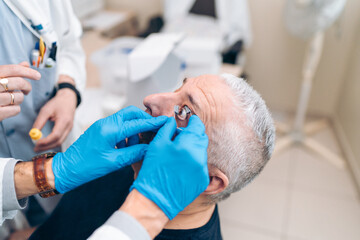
<point>7,214</point>
<point>70,55</point>
<point>109,233</point>
<point>233,18</point>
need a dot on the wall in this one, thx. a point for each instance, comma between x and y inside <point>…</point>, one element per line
<point>348,111</point>
<point>145,9</point>
<point>275,59</point>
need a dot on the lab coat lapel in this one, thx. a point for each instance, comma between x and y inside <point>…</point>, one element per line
<point>38,7</point>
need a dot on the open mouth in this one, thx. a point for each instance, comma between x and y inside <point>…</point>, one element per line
<point>146,137</point>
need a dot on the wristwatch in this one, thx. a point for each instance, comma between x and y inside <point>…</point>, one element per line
<point>70,86</point>
<point>41,182</point>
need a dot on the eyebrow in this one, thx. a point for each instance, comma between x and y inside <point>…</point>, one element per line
<point>184,81</point>
<point>190,97</point>
<point>194,103</point>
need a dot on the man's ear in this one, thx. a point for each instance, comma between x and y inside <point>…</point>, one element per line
<point>218,181</point>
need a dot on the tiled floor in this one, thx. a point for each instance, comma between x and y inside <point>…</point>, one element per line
<point>298,196</point>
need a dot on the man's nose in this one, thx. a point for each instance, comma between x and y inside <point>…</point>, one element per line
<point>159,104</point>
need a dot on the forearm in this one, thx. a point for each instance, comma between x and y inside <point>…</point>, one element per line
<point>66,79</point>
<point>24,178</point>
<point>66,92</point>
<point>146,212</point>
<point>138,218</point>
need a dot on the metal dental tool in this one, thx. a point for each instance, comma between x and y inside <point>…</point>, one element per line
<point>183,113</point>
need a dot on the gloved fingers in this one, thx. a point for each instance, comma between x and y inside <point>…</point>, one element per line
<point>178,131</point>
<point>132,112</point>
<point>133,140</point>
<point>194,132</point>
<point>195,125</point>
<point>136,126</point>
<point>167,131</point>
<point>192,139</point>
<point>129,155</point>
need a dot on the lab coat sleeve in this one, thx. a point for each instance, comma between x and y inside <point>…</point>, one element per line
<point>121,226</point>
<point>71,56</point>
<point>8,200</point>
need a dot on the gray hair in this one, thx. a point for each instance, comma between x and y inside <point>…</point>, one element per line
<point>241,148</point>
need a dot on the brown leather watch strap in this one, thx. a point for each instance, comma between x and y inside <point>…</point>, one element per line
<point>44,188</point>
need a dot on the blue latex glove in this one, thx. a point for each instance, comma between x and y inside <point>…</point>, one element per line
<point>174,173</point>
<point>94,154</point>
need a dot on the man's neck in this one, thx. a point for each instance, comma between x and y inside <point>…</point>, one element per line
<point>194,216</point>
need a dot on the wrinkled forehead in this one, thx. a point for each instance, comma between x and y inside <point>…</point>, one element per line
<point>209,85</point>
<point>211,88</point>
<point>212,98</point>
<point>210,81</point>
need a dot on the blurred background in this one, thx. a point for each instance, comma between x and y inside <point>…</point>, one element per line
<point>302,56</point>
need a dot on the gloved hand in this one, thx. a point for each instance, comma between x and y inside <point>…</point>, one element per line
<point>94,154</point>
<point>175,172</point>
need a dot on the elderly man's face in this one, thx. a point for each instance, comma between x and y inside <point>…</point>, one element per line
<point>207,96</point>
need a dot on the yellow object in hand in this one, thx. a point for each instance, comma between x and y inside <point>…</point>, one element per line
<point>35,134</point>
